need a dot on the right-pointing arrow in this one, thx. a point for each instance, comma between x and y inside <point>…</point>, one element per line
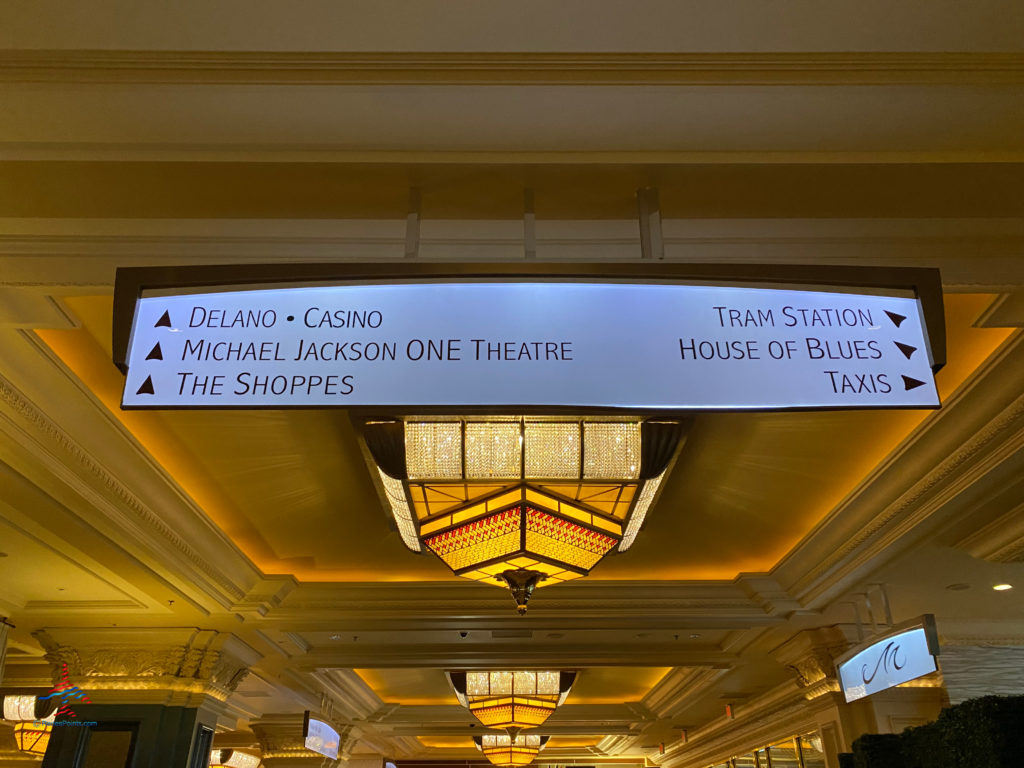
<point>147,387</point>
<point>157,354</point>
<point>165,320</point>
<point>906,349</point>
<point>909,383</point>
<point>896,319</point>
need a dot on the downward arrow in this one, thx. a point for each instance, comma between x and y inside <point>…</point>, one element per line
<point>906,349</point>
<point>147,387</point>
<point>896,319</point>
<point>156,354</point>
<point>165,320</point>
<point>909,383</point>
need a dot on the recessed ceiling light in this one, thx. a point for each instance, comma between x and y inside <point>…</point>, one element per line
<point>1002,587</point>
<point>960,587</point>
<point>694,636</point>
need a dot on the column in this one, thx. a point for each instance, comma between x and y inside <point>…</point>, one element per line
<point>156,693</point>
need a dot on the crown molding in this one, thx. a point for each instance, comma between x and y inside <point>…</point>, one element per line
<point>681,684</point>
<point>503,69</point>
<point>975,442</point>
<point>487,655</point>
<point>1001,541</point>
<point>784,709</point>
<point>90,250</point>
<point>76,468</point>
<point>353,699</point>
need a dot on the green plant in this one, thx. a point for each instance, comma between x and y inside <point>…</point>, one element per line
<point>985,733</point>
<point>925,747</point>
<point>877,750</point>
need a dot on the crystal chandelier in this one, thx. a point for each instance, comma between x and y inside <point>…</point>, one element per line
<point>520,502</point>
<point>512,700</point>
<point>506,751</point>
<point>32,728</point>
<point>233,758</point>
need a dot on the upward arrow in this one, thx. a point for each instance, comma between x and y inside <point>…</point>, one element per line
<point>896,319</point>
<point>906,349</point>
<point>165,320</point>
<point>157,354</point>
<point>147,387</point>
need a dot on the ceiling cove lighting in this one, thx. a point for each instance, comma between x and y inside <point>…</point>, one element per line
<point>511,699</point>
<point>506,751</point>
<point>518,501</point>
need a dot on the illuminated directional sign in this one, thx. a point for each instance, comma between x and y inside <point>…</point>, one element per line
<point>320,737</point>
<point>899,657</point>
<point>530,344</point>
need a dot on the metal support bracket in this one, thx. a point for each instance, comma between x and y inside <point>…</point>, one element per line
<point>652,244</point>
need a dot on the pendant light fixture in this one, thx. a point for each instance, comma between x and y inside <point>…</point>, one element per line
<point>520,502</point>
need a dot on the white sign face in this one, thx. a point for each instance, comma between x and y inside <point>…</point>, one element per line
<point>889,662</point>
<point>322,739</point>
<point>607,345</point>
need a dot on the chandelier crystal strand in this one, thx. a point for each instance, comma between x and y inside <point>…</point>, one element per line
<point>552,450</point>
<point>611,450</point>
<point>433,450</point>
<point>643,503</point>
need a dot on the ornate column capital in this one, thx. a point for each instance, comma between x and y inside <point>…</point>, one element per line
<point>176,666</point>
<point>810,656</point>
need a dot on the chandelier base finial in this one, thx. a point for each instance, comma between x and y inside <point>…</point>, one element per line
<point>522,582</point>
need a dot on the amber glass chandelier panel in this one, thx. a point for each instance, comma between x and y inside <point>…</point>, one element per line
<point>503,750</point>
<point>505,699</point>
<point>33,737</point>
<point>520,501</point>
<point>558,540</point>
<point>512,699</point>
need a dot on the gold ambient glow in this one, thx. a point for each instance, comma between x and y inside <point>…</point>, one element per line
<point>520,502</point>
<point>509,699</point>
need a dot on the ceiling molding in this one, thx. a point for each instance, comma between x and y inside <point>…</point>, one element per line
<point>681,684</point>
<point>352,697</point>
<point>784,710</point>
<point>104,492</point>
<point>978,431</point>
<point>516,654</point>
<point>1001,541</point>
<point>586,604</point>
<point>497,69</point>
<point>91,250</point>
